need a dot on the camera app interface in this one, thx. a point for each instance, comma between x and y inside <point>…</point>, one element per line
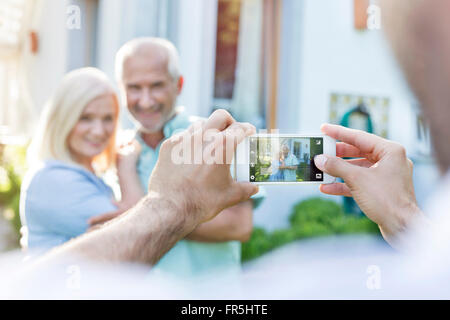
<point>284,159</point>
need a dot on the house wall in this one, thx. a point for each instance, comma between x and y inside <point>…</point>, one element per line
<point>338,58</point>
<point>46,68</point>
<point>196,41</point>
<point>120,21</point>
<point>323,53</point>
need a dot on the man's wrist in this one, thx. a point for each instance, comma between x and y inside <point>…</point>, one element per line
<point>151,228</point>
<point>176,212</point>
<point>404,218</point>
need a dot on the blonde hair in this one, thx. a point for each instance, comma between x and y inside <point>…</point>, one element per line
<point>62,112</point>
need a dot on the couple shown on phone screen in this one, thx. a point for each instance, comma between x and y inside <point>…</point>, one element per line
<point>284,167</point>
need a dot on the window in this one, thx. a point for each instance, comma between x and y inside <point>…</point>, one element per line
<point>424,145</point>
<point>226,48</point>
<point>11,26</point>
<point>297,148</point>
<point>16,114</point>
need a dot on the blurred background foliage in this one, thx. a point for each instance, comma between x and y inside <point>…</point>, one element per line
<point>260,167</point>
<point>313,217</point>
<point>12,169</point>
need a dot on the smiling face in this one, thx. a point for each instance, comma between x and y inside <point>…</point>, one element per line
<point>150,90</point>
<point>92,133</point>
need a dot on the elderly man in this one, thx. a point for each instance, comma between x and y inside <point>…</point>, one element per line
<point>150,81</point>
<point>289,164</point>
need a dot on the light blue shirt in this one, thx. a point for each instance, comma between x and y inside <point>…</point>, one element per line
<point>189,258</point>
<point>290,174</point>
<point>57,200</point>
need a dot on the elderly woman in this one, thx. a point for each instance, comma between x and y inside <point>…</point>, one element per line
<point>277,174</point>
<point>73,148</point>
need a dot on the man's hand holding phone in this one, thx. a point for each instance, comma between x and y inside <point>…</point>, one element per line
<point>380,179</point>
<point>203,189</point>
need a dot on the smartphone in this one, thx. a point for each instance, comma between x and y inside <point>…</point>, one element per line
<point>282,159</point>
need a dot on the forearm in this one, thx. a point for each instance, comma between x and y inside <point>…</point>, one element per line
<point>232,224</point>
<point>143,234</point>
<point>130,187</point>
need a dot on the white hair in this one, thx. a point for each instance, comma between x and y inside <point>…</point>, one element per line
<point>131,47</point>
<point>63,111</point>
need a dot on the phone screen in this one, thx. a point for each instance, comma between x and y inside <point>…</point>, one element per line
<point>284,159</point>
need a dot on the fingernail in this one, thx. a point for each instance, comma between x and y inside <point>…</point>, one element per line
<point>320,161</point>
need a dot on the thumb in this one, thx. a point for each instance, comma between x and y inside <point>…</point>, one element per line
<point>335,166</point>
<point>242,191</point>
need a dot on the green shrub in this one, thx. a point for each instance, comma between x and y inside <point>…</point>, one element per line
<point>315,210</point>
<point>281,237</point>
<point>310,218</point>
<point>259,242</point>
<point>12,168</point>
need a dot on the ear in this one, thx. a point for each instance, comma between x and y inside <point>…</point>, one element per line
<point>180,84</point>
